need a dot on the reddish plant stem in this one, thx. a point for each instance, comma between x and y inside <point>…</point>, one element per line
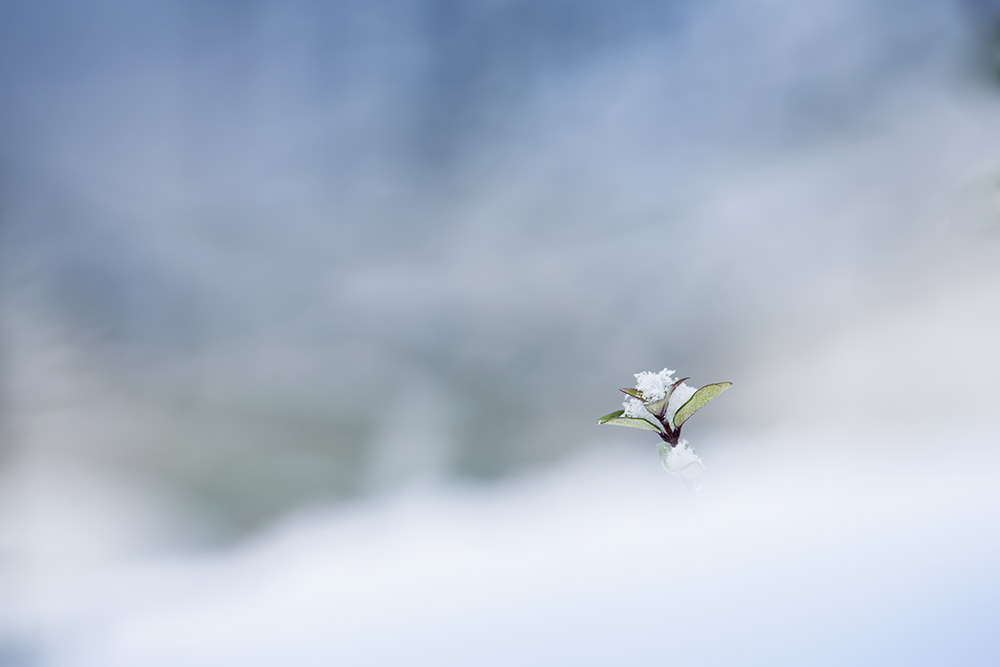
<point>669,435</point>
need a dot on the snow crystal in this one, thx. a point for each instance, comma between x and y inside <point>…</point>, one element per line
<point>635,408</point>
<point>654,385</point>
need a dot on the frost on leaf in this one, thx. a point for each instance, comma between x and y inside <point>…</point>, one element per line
<point>698,400</point>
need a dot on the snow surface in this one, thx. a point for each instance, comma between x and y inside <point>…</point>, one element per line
<point>681,460</point>
<point>800,550</point>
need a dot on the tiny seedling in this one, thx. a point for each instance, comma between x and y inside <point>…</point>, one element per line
<point>662,404</point>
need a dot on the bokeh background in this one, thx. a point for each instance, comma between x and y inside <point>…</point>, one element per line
<point>308,310</point>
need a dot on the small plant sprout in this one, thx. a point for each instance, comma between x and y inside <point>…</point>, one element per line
<point>663,404</point>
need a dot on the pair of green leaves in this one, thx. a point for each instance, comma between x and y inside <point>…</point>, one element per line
<point>697,401</point>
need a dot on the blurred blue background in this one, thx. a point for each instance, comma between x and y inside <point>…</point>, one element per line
<point>262,261</point>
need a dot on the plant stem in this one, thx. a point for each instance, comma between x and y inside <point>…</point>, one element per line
<point>670,435</point>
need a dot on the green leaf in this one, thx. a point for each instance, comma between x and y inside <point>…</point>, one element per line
<point>610,415</point>
<point>699,400</point>
<point>659,408</point>
<point>634,393</point>
<point>617,419</point>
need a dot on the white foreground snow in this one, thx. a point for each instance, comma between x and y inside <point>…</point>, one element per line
<point>799,551</point>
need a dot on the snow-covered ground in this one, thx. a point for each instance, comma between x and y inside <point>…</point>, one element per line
<point>875,548</point>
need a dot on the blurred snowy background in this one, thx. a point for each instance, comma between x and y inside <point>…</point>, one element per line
<point>308,310</point>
